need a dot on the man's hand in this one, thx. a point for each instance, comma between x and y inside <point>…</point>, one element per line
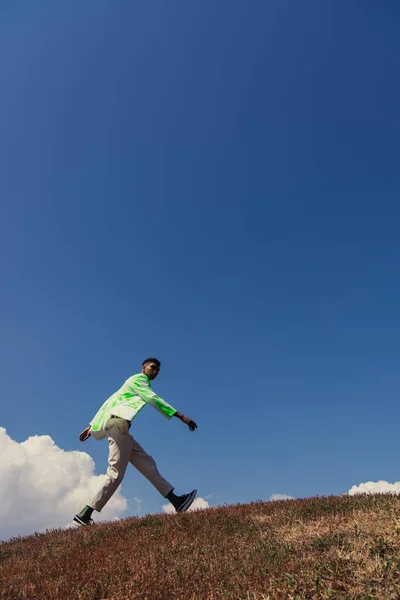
<point>85,434</point>
<point>187,420</point>
<point>191,424</point>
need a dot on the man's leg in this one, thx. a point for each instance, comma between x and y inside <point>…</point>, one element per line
<point>146,465</point>
<point>120,449</point>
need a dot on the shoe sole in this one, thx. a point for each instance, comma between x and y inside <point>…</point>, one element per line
<point>76,522</point>
<point>188,502</point>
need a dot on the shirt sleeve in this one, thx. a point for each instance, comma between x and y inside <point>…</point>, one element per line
<point>142,387</point>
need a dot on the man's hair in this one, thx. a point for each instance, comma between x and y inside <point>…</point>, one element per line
<point>154,360</point>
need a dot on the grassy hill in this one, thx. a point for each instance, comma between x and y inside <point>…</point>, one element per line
<point>337,547</point>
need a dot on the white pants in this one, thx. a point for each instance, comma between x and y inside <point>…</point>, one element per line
<point>122,450</point>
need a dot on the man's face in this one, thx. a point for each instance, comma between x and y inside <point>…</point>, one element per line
<point>151,369</point>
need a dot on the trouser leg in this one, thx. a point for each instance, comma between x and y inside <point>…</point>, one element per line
<point>146,465</point>
<point>120,451</point>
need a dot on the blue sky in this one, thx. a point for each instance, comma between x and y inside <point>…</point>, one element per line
<point>215,184</point>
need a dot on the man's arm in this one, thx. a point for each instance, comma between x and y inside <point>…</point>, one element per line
<point>143,389</point>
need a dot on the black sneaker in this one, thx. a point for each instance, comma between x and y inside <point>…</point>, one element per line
<point>186,501</point>
<point>78,522</point>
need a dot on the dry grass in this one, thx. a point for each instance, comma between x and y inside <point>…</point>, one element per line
<point>343,548</point>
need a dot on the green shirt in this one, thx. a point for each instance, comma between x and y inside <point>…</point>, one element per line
<point>127,402</point>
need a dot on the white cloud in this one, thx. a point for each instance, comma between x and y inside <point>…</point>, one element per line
<point>375,487</point>
<point>280,497</point>
<point>198,503</point>
<point>139,505</point>
<point>43,486</point>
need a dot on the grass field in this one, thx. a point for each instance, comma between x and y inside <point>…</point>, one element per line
<point>343,547</point>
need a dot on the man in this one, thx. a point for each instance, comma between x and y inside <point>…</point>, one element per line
<point>113,421</point>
